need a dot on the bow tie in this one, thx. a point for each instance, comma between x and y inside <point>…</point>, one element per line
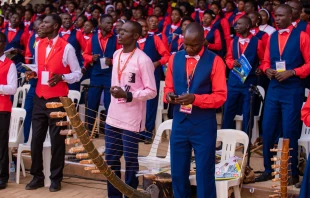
<point>26,23</point>
<point>49,42</point>
<point>252,32</point>
<point>141,40</point>
<point>294,23</point>
<point>174,26</point>
<point>197,57</point>
<point>284,30</point>
<point>13,30</point>
<point>86,37</point>
<point>244,40</point>
<point>207,28</point>
<point>151,33</point>
<point>181,36</point>
<point>67,32</point>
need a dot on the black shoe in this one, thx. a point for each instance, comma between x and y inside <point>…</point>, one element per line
<point>148,141</point>
<point>35,184</point>
<point>293,180</point>
<point>263,177</point>
<point>3,185</point>
<point>55,186</point>
<point>298,185</point>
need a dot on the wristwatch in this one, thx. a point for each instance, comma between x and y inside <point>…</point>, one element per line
<point>63,78</point>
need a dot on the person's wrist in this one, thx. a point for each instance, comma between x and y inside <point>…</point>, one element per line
<point>293,72</point>
<point>63,78</point>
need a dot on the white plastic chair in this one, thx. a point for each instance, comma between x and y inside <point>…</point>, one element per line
<point>306,92</point>
<point>82,106</point>
<point>229,139</point>
<point>151,160</point>
<point>16,135</point>
<point>239,118</point>
<point>75,96</point>
<point>46,157</point>
<point>161,111</point>
<point>19,97</point>
<point>304,140</point>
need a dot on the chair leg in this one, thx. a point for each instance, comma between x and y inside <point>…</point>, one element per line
<point>237,191</point>
<point>23,165</point>
<point>47,165</point>
<point>239,125</point>
<point>221,189</point>
<point>10,155</point>
<point>19,153</point>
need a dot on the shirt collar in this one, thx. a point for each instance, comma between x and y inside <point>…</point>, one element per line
<point>106,36</point>
<point>254,31</point>
<point>54,40</point>
<point>291,27</point>
<point>295,23</point>
<point>2,58</point>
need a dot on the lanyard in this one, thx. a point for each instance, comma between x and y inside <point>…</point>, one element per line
<point>105,45</point>
<point>191,76</point>
<point>120,71</point>
<point>49,56</point>
<point>283,45</point>
<point>238,48</point>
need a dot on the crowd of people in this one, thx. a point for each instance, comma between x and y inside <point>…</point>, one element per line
<point>126,48</point>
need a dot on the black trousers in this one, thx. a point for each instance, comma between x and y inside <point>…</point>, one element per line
<point>41,122</point>
<point>5,118</point>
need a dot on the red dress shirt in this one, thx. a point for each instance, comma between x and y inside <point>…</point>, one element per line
<point>163,37</point>
<point>228,14</point>
<point>265,37</point>
<point>88,53</point>
<point>28,53</point>
<point>307,28</point>
<point>305,113</point>
<point>79,37</point>
<point>193,15</point>
<point>217,45</point>
<point>230,59</point>
<point>24,37</point>
<point>302,71</point>
<point>218,81</point>
<point>160,47</point>
<point>172,30</point>
<point>226,29</point>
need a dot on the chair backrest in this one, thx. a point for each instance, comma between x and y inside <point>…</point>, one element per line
<point>25,89</point>
<point>17,96</point>
<point>305,132</point>
<point>306,92</point>
<point>47,141</point>
<point>75,96</point>
<point>167,125</point>
<point>16,125</point>
<point>229,139</point>
<point>262,92</point>
<point>86,81</point>
<point>161,95</point>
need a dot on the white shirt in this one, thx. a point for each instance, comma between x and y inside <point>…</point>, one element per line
<point>267,28</point>
<point>10,88</point>
<point>68,58</point>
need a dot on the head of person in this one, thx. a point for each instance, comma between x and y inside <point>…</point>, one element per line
<point>305,14</point>
<point>28,6</point>
<point>296,9</point>
<point>51,25</point>
<point>256,19</point>
<point>80,21</point>
<point>176,15</point>
<point>40,8</point>
<point>66,20</point>
<point>241,4</point>
<point>250,6</point>
<point>208,17</point>
<point>193,39</point>
<point>28,14</point>
<point>89,26</point>
<point>283,16</point>
<point>265,15</point>
<point>243,25</point>
<point>266,4</point>
<point>275,4</point>
<point>119,25</point>
<point>144,26</point>
<point>71,7</point>
<point>78,11</point>
<point>139,14</point>
<point>230,6</point>
<point>223,3</point>
<point>106,23</point>
<point>95,11</point>
<point>144,2</point>
<point>159,11</point>
<point>115,15</point>
<point>119,5</point>
<point>109,9</point>
<point>186,8</point>
<point>125,17</point>
<point>36,24</point>
<point>217,9</point>
<point>2,42</point>
<point>152,22</point>
<point>15,20</point>
<point>185,21</point>
<point>202,4</point>
<point>129,33</point>
<point>19,11</point>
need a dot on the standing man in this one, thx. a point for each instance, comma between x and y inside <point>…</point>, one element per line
<point>99,53</point>
<point>133,83</point>
<point>196,85</point>
<point>252,48</point>
<point>8,86</point>
<point>57,65</point>
<point>154,48</point>
<point>286,62</point>
<point>296,12</point>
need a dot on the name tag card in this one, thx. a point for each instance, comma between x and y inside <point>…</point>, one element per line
<point>102,63</point>
<point>280,66</point>
<point>121,100</point>
<point>186,108</point>
<point>45,77</point>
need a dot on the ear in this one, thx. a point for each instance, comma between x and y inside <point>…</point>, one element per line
<point>136,36</point>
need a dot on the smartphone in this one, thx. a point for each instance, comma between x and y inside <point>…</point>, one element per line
<point>173,96</point>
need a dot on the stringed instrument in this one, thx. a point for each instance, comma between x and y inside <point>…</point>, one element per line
<point>88,153</point>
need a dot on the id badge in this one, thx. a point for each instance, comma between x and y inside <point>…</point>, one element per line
<point>280,66</point>
<point>102,63</point>
<point>121,100</point>
<point>45,77</point>
<point>186,108</point>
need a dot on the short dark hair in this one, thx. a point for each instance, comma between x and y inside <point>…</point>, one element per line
<point>247,19</point>
<point>179,10</point>
<point>105,16</point>
<point>187,18</point>
<point>30,10</point>
<point>56,18</point>
<point>137,26</point>
<point>286,7</point>
<point>83,17</point>
<point>195,28</point>
<point>96,7</point>
<point>210,12</point>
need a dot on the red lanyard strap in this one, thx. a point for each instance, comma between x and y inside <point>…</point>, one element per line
<point>283,45</point>
<point>120,71</point>
<point>190,77</point>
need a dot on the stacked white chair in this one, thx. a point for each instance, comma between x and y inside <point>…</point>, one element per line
<point>161,111</point>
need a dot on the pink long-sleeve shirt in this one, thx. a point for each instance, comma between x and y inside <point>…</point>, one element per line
<point>139,75</point>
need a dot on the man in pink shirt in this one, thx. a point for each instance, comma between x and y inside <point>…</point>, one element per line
<point>133,83</point>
